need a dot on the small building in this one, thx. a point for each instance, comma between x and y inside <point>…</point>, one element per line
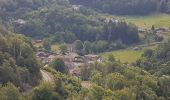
<point>161,30</point>
<point>107,20</point>
<point>71,47</point>
<point>44,57</point>
<point>141,30</point>
<point>39,41</point>
<point>20,21</point>
<point>78,59</point>
<point>76,7</point>
<point>136,48</point>
<point>92,57</point>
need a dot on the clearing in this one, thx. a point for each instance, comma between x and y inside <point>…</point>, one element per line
<point>125,56</point>
<point>129,55</point>
<point>158,20</point>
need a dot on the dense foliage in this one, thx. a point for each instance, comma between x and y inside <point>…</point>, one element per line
<point>63,22</point>
<point>18,63</point>
<point>126,7</point>
<point>156,61</point>
<point>125,82</point>
<point>58,21</point>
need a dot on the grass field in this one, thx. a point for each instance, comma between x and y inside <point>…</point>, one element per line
<point>128,55</point>
<point>159,20</point>
<point>124,56</point>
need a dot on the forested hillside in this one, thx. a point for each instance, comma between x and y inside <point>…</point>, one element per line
<point>58,21</point>
<point>84,50</point>
<point>18,63</point>
<point>127,7</point>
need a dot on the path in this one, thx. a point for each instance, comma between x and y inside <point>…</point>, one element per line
<point>46,76</point>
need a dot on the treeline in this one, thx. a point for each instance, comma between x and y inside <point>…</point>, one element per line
<point>110,32</point>
<point>127,7</point>
<point>18,63</point>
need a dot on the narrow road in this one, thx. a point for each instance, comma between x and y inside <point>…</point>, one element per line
<point>46,76</point>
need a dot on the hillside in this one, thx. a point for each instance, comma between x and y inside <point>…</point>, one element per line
<point>84,50</point>
<point>18,63</point>
<point>126,7</point>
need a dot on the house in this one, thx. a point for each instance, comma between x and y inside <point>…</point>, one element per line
<point>141,30</point>
<point>42,56</point>
<point>107,20</point>
<point>161,30</point>
<point>20,21</point>
<point>136,48</point>
<point>76,7</point>
<point>39,41</point>
<point>78,59</point>
<point>71,47</point>
<point>45,57</point>
<point>92,57</point>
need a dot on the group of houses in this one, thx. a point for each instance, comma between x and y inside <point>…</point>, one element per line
<point>45,57</point>
<point>72,60</point>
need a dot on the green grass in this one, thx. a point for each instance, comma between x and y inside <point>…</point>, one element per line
<point>124,56</point>
<point>55,48</point>
<point>128,55</point>
<point>159,20</point>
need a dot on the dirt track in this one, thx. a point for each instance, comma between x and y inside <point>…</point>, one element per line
<point>46,76</point>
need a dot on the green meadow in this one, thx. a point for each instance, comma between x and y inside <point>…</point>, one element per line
<point>128,55</point>
<point>125,56</point>
<point>158,20</point>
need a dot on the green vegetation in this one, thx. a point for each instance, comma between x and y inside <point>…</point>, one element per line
<point>127,7</point>
<point>125,56</point>
<point>158,20</point>
<point>130,72</point>
<point>129,55</point>
<point>59,65</point>
<point>116,81</point>
<point>62,23</point>
<point>18,63</point>
<point>55,47</point>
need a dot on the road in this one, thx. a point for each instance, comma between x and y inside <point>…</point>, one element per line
<point>46,76</point>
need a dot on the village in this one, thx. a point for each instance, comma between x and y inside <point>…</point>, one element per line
<point>71,59</point>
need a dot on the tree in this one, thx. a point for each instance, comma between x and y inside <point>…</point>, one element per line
<point>148,53</point>
<point>87,47</point>
<point>153,27</point>
<point>63,49</point>
<point>59,65</point>
<point>44,92</point>
<point>79,47</point>
<point>111,58</point>
<point>162,5</point>
<point>164,86</point>
<point>96,77</point>
<point>10,92</point>
<point>115,81</point>
<point>97,93</point>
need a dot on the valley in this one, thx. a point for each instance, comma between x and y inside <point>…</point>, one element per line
<point>84,50</point>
